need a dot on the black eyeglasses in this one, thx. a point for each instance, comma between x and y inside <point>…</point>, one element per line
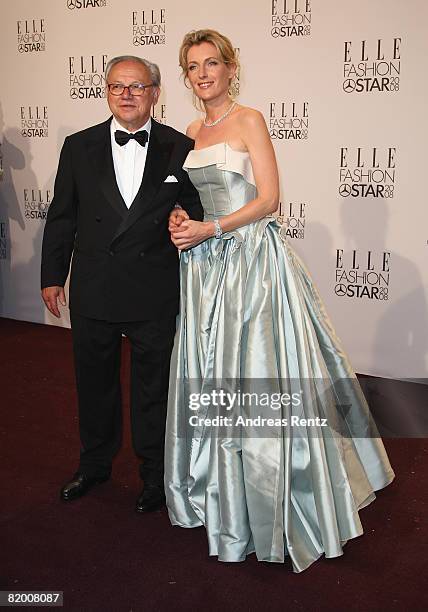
<point>135,89</point>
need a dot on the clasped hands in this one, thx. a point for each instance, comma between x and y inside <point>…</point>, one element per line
<point>187,233</point>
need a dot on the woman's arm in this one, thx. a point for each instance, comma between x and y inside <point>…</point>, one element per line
<point>178,214</point>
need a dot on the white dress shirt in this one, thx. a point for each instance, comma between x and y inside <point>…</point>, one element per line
<point>129,161</point>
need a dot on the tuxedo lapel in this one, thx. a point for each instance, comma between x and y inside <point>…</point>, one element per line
<point>102,157</point>
<point>158,155</point>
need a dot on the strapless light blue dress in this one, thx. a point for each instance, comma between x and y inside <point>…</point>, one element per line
<point>251,317</point>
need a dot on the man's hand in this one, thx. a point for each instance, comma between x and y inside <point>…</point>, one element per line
<point>50,296</point>
<point>176,218</point>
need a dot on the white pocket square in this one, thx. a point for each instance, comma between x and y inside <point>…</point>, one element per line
<point>170,179</point>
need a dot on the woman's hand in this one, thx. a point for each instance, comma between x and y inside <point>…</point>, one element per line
<point>190,233</point>
<point>176,218</point>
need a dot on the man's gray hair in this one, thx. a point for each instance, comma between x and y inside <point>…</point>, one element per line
<point>153,68</point>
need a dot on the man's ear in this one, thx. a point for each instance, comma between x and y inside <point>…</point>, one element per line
<point>156,95</point>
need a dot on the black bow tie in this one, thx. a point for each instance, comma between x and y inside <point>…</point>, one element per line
<point>122,137</point>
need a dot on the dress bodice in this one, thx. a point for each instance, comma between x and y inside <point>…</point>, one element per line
<point>223,177</point>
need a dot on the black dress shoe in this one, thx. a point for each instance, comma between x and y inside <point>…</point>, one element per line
<point>152,498</point>
<point>78,486</point>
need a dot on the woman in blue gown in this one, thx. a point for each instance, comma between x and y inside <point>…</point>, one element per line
<point>252,321</point>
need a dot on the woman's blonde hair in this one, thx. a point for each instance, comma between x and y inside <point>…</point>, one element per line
<point>223,45</point>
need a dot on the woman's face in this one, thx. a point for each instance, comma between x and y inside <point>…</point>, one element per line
<point>208,74</point>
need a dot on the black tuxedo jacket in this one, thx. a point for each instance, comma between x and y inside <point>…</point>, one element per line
<point>125,267</point>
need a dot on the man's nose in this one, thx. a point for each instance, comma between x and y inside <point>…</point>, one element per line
<point>126,93</point>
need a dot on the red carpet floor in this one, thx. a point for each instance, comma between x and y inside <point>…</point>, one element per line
<point>106,557</point>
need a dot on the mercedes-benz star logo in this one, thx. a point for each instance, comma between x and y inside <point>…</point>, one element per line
<point>340,290</point>
<point>74,93</point>
<point>71,4</point>
<point>21,48</point>
<point>345,190</point>
<point>275,32</point>
<point>348,85</point>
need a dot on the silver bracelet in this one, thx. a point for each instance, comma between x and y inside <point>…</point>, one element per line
<point>218,231</point>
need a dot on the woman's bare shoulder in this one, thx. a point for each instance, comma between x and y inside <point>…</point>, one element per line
<point>250,117</point>
<point>193,128</point>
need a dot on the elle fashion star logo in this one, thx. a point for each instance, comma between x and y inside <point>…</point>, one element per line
<point>79,4</point>
<point>86,76</point>
<point>290,18</point>
<point>362,274</point>
<point>31,35</point>
<point>149,27</point>
<point>371,67</point>
<point>367,172</point>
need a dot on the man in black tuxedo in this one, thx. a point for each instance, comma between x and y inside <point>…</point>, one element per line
<point>116,185</point>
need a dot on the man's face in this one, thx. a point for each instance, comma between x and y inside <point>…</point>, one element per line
<point>131,111</point>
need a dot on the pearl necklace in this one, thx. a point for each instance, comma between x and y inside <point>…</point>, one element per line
<point>229,110</point>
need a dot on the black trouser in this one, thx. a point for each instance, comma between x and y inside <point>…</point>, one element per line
<point>97,357</point>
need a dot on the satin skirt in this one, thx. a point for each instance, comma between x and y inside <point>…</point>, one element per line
<point>250,311</point>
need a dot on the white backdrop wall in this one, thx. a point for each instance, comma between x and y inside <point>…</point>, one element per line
<point>343,88</point>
